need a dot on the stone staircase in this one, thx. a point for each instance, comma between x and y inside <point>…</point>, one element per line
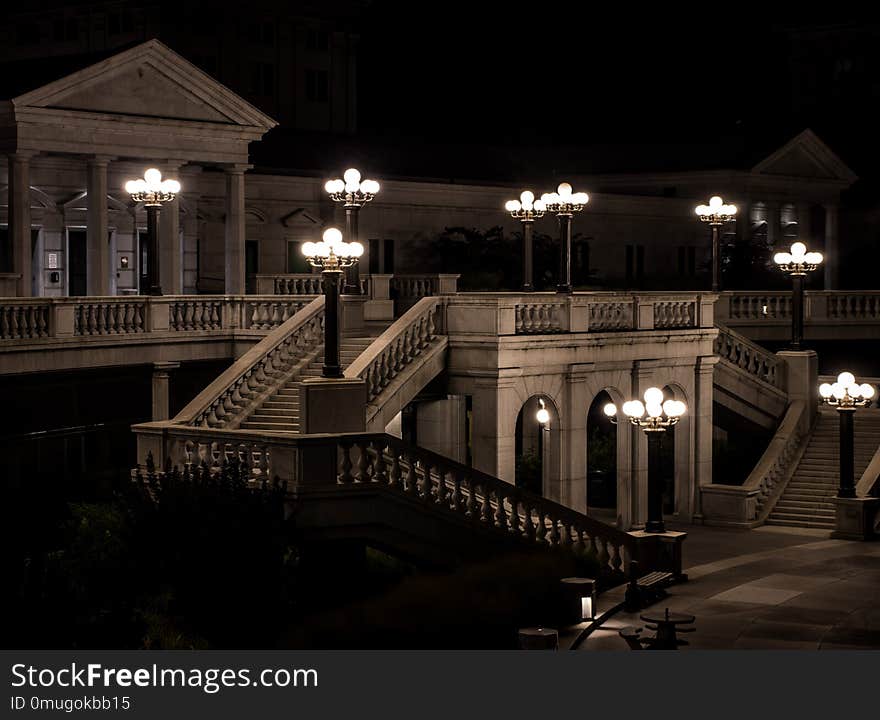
<point>807,499</point>
<point>281,412</point>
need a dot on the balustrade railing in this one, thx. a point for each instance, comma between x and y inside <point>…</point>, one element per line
<point>109,316</point>
<point>297,284</point>
<point>24,320</point>
<point>610,315</point>
<point>266,314</point>
<point>196,313</point>
<point>389,465</point>
<point>749,504</point>
<point>399,346</point>
<point>742,352</point>
<point>539,317</point>
<point>820,306</point>
<point>259,371</point>
<point>854,306</point>
<point>674,314</point>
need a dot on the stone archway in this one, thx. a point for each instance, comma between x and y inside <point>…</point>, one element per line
<point>601,450</point>
<point>537,446</point>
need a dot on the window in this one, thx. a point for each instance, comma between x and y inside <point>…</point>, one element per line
<point>687,261</point>
<point>635,263</point>
<point>317,40</point>
<point>251,257</point>
<point>296,261</point>
<point>263,79</point>
<point>316,85</point>
<point>5,251</point>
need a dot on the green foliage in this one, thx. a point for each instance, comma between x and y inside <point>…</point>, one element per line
<point>529,473</point>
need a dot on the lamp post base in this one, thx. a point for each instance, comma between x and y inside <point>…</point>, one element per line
<point>332,371</point>
<point>566,289</point>
<point>655,526</point>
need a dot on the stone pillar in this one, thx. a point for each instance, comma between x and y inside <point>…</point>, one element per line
<point>832,251</point>
<point>574,441</point>
<point>161,389</point>
<point>20,220</point>
<point>235,230</point>
<point>97,241</point>
<point>773,223</point>
<point>170,246</point>
<point>642,379</point>
<point>495,407</point>
<point>441,426</point>
<point>805,232</point>
<point>802,382</point>
<point>701,417</point>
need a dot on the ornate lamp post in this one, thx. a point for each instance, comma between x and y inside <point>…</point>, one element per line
<point>353,193</point>
<point>333,256</point>
<point>716,213</point>
<point>846,396</point>
<point>797,263</point>
<point>526,210</point>
<point>152,191</point>
<point>564,203</point>
<point>654,416</point>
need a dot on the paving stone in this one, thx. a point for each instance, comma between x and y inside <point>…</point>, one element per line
<point>751,593</point>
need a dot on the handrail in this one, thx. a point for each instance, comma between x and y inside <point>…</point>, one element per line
<point>398,346</point>
<point>383,461</point>
<point>247,377</point>
<point>747,355</point>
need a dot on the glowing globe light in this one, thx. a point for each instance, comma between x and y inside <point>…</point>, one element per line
<point>610,410</point>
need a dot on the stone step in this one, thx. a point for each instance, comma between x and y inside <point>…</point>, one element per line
<point>787,505</point>
<point>269,411</point>
<point>809,492</point>
<point>274,426</point>
<point>819,525</point>
<point>804,517</point>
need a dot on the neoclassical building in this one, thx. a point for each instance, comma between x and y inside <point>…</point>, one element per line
<point>67,226</point>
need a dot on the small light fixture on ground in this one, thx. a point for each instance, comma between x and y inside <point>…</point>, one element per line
<point>797,263</point>
<point>653,416</point>
<point>846,396</point>
<point>152,191</point>
<point>579,596</point>
<point>564,204</point>
<point>526,210</point>
<point>353,193</point>
<point>716,213</point>
<point>333,256</point>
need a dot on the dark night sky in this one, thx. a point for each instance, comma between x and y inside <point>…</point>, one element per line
<point>497,71</point>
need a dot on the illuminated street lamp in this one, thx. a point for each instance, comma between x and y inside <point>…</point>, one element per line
<point>797,263</point>
<point>716,213</point>
<point>526,210</point>
<point>332,256</point>
<point>653,416</point>
<point>353,193</point>
<point>564,203</point>
<point>152,191</point>
<point>846,395</point>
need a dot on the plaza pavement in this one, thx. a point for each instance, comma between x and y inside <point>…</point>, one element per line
<point>768,588</point>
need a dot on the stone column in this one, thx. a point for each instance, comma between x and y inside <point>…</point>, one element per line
<point>805,233</point>
<point>701,417</point>
<point>235,230</point>
<point>832,251</point>
<point>642,379</point>
<point>170,246</point>
<point>495,407</point>
<point>161,389</point>
<point>773,223</point>
<point>20,220</point>
<point>97,242</point>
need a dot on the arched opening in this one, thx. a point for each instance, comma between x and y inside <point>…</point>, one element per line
<point>601,456</point>
<point>536,444</point>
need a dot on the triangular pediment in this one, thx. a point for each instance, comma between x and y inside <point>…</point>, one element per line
<point>806,156</point>
<point>149,80</point>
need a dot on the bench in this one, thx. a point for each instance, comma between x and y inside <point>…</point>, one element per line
<point>647,589</point>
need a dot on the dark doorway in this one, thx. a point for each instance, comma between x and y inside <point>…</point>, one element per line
<point>77,263</point>
<point>601,455</point>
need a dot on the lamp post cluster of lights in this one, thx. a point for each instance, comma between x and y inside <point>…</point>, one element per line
<point>332,255</point>
<point>353,193</point>
<point>153,191</point>
<point>526,210</point>
<point>716,214</point>
<point>564,204</point>
<point>797,263</point>
<point>653,416</point>
<point>846,396</point>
